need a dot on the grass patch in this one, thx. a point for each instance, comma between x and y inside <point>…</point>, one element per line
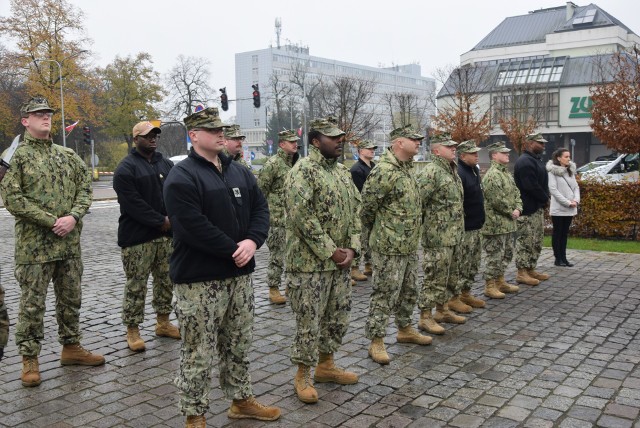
<point>599,245</point>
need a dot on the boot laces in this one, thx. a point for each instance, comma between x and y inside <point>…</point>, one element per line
<point>31,364</point>
<point>252,400</point>
<point>306,376</point>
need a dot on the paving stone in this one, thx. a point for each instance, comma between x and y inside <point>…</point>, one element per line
<point>621,411</point>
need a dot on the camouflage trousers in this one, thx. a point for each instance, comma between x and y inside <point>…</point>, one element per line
<point>395,290</point>
<point>440,281</point>
<point>365,254</point>
<point>529,241</point>
<point>498,254</point>
<point>276,244</point>
<point>34,281</point>
<point>469,263</point>
<point>214,315</point>
<point>138,262</point>
<point>321,302</point>
<point>4,320</point>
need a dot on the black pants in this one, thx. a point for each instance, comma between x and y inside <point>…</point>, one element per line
<point>560,233</point>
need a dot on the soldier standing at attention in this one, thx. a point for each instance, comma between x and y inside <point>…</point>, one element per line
<point>271,181</point>
<point>503,207</point>
<point>473,204</point>
<point>322,238</point>
<point>391,209</point>
<point>48,190</point>
<point>144,234</point>
<point>359,172</point>
<point>233,145</point>
<point>442,229</point>
<point>219,218</point>
<point>532,179</point>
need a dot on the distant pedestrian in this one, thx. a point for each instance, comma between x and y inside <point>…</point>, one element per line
<point>359,172</point>
<point>233,144</point>
<point>565,197</point>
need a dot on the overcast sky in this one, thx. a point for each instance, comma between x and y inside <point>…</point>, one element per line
<point>433,34</point>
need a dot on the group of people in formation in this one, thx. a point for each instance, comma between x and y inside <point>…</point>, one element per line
<point>195,227</point>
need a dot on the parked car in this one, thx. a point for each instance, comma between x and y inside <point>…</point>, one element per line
<point>608,158</point>
<point>624,167</point>
<point>178,158</point>
<point>591,165</point>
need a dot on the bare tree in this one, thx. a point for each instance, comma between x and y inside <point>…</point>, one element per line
<point>407,108</point>
<point>519,109</point>
<point>173,140</point>
<point>187,84</point>
<point>307,84</point>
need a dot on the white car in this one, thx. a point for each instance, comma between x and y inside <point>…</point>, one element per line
<point>176,159</point>
<point>625,167</point>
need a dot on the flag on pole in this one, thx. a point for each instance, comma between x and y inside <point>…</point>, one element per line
<point>70,127</point>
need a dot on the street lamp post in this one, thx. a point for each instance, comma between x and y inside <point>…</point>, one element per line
<point>64,136</point>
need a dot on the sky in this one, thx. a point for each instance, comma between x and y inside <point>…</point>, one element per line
<point>433,34</point>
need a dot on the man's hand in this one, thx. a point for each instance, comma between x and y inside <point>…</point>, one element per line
<point>515,214</point>
<point>166,225</point>
<point>64,225</point>
<point>338,256</point>
<point>349,255</point>
<point>244,253</point>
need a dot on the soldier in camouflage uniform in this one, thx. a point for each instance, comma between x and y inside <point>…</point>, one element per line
<point>48,190</point>
<point>4,323</point>
<point>144,234</point>
<point>322,238</point>
<point>233,145</point>
<point>502,206</point>
<point>442,229</point>
<point>271,182</point>
<point>359,173</point>
<point>219,218</point>
<point>391,209</point>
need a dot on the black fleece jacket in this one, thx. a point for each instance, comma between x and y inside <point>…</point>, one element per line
<point>473,198</point>
<point>531,178</point>
<point>359,173</point>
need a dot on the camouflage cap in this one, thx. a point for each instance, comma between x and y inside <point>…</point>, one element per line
<point>288,135</point>
<point>208,118</point>
<point>233,133</point>
<point>536,137</point>
<point>443,139</point>
<point>468,146</point>
<point>407,131</point>
<point>143,128</point>
<point>366,144</point>
<point>327,127</point>
<point>499,147</point>
<point>35,104</point>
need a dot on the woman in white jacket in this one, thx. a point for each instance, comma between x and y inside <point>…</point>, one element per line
<point>565,197</point>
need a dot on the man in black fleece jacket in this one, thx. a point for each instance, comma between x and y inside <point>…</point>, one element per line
<point>219,218</point>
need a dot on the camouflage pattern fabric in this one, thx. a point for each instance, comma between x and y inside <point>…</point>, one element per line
<point>499,252</point>
<point>442,204</point>
<point>501,198</point>
<point>322,205</point>
<point>470,254</point>
<point>440,281</point>
<point>321,302</point>
<point>208,118</point>
<point>391,207</point>
<point>139,261</point>
<point>214,315</point>
<point>34,281</point>
<point>238,158</point>
<point>276,244</point>
<point>271,181</point>
<point>529,241</point>
<point>45,182</point>
<point>4,320</point>
<point>365,249</point>
<point>394,292</point>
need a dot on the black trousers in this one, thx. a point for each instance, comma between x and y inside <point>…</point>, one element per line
<point>560,233</point>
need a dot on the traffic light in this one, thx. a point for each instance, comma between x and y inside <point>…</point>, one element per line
<point>86,132</point>
<point>224,100</point>
<point>256,96</point>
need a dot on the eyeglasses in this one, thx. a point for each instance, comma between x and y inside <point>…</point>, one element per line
<point>150,137</point>
<point>42,114</point>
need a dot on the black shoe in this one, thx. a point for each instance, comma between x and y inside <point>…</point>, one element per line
<point>559,262</point>
<point>566,263</point>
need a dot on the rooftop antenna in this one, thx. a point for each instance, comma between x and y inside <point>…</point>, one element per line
<point>278,31</point>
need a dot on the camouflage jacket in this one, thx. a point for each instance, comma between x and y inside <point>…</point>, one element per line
<point>322,205</point>
<point>45,182</point>
<point>442,204</point>
<point>238,158</point>
<point>271,181</point>
<point>501,197</point>
<point>391,206</point>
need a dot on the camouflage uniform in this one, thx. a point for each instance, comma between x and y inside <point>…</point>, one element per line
<point>442,230</point>
<point>233,132</point>
<point>45,182</point>
<point>501,198</point>
<point>321,204</point>
<point>529,241</point>
<point>391,209</point>
<point>4,323</point>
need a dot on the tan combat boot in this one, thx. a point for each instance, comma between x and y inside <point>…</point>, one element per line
<point>491,290</point>
<point>456,305</point>
<point>250,408</point>
<point>357,275</point>
<point>135,342</point>
<point>368,269</point>
<point>30,371</point>
<point>443,314</point>
<point>197,421</point>
<point>377,352</point>
<point>275,296</point>
<point>74,354</point>
<point>327,371</point>
<point>409,334</point>
<point>352,282</point>
<point>467,298</point>
<point>165,329</point>
<point>505,287</point>
<point>428,324</point>
<point>523,277</point>
<point>304,386</point>
<point>538,275</point>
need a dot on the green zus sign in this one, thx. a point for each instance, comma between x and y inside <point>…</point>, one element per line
<point>580,107</point>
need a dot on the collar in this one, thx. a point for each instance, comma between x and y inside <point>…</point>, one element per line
<point>30,139</point>
<point>316,156</point>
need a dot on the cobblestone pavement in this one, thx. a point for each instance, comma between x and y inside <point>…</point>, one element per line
<point>565,353</point>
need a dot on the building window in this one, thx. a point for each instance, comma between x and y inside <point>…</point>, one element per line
<point>543,107</point>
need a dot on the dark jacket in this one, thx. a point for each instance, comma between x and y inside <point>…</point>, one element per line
<point>210,213</point>
<point>359,173</point>
<point>532,181</point>
<point>473,199</point>
<point>138,184</point>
